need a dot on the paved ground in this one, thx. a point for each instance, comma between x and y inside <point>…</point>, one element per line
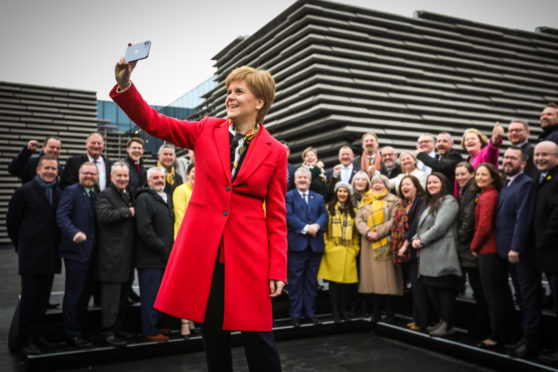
<point>354,352</point>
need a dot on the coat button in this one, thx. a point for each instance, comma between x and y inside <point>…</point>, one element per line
<point>227,188</point>
<point>225,213</point>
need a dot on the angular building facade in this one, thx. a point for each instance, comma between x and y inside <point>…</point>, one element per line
<point>342,71</point>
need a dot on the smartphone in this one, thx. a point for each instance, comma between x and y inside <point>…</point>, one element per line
<point>137,51</point>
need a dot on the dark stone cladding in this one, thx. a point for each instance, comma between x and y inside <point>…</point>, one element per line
<point>343,70</point>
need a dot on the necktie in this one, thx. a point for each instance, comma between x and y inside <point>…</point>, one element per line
<point>508,181</point>
<point>138,167</point>
<point>541,178</point>
<point>305,195</point>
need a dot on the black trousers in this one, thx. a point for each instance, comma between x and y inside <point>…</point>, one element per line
<point>261,351</point>
<point>494,279</point>
<point>480,323</point>
<point>35,292</point>
<point>421,306</point>
<point>114,305</point>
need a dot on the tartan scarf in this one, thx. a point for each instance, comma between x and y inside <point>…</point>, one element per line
<point>378,215</point>
<point>169,175</point>
<point>399,228</point>
<point>341,226</point>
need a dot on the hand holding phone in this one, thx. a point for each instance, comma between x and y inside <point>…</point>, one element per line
<point>137,51</point>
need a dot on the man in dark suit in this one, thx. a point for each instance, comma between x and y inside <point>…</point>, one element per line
<point>114,266</point>
<point>514,216</point>
<point>344,171</point>
<point>549,123</point>
<point>76,218</point>
<point>546,219</point>
<point>31,223</point>
<point>306,220</point>
<point>25,167</point>
<point>518,134</point>
<point>138,174</point>
<point>94,146</point>
<point>155,229</point>
<point>446,158</point>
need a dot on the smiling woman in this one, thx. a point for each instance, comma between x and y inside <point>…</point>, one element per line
<point>226,235</point>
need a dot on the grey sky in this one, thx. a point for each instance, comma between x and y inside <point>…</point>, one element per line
<point>75,43</point>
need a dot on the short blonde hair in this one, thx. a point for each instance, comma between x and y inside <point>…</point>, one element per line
<point>260,82</point>
<point>307,150</point>
<point>482,137</point>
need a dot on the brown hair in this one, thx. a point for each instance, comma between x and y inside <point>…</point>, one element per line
<point>134,139</point>
<point>261,84</point>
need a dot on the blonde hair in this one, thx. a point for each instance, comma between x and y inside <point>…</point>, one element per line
<point>307,150</point>
<point>483,139</point>
<point>259,81</point>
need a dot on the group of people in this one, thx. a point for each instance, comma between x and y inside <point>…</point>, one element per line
<point>366,226</point>
<point>104,219</point>
<point>433,220</point>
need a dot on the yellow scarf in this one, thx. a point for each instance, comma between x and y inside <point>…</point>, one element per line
<point>341,226</point>
<point>169,175</point>
<point>378,215</point>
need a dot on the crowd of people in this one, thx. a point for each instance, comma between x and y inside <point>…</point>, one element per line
<point>370,226</point>
<point>432,220</point>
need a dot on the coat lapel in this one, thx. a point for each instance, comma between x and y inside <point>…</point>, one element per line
<point>223,145</point>
<point>258,150</point>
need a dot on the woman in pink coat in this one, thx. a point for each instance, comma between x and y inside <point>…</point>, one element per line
<point>230,254</point>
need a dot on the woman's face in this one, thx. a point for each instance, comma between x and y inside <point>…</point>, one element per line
<point>408,188</point>
<point>433,185</point>
<point>242,105</point>
<point>378,186</point>
<point>462,175</point>
<point>192,176</point>
<point>408,163</point>
<point>310,158</point>
<point>342,194</point>
<point>360,183</point>
<point>483,178</point>
<point>472,143</point>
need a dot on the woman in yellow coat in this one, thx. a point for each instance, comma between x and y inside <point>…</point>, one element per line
<point>338,264</point>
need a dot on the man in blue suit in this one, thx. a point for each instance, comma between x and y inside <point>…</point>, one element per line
<point>514,216</point>
<point>76,218</point>
<point>306,221</point>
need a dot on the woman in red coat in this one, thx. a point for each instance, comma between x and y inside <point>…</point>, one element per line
<point>230,254</point>
<point>492,268</point>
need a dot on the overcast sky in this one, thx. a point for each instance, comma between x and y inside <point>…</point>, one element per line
<point>75,43</point>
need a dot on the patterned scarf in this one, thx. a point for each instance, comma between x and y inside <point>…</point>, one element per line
<point>341,226</point>
<point>169,175</point>
<point>378,215</point>
<point>399,228</point>
<point>242,144</point>
<point>311,167</point>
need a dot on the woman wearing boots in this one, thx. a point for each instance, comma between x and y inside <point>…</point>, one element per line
<point>378,274</point>
<point>338,264</point>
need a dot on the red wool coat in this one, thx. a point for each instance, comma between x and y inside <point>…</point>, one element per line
<point>484,240</point>
<point>254,241</point>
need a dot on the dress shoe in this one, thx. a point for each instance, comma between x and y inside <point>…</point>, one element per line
<point>30,348</point>
<point>524,352</point>
<point>295,322</point>
<point>112,340</point>
<point>80,342</point>
<point>513,346</point>
<point>123,334</point>
<point>165,331</point>
<point>157,338</point>
<point>43,342</point>
<point>390,318</point>
<point>315,321</point>
<point>551,358</point>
